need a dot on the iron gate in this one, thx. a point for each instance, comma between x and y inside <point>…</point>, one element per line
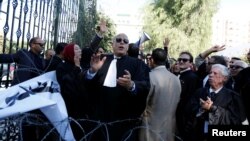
<point>20,20</point>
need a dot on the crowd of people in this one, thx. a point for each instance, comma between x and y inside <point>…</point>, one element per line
<point>139,98</point>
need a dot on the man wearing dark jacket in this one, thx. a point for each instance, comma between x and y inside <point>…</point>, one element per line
<point>30,63</point>
<point>215,105</point>
<point>56,59</point>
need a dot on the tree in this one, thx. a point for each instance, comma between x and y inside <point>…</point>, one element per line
<point>107,40</point>
<point>7,49</point>
<point>87,25</point>
<point>187,23</point>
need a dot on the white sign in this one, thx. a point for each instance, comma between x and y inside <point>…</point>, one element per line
<point>42,93</point>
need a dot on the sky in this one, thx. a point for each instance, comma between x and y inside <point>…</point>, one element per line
<point>130,6</point>
<point>133,8</point>
<point>122,6</point>
<point>231,9</point>
<point>234,8</point>
<point>235,5</point>
<point>237,10</point>
<point>228,8</point>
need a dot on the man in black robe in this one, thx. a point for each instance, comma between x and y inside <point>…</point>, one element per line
<point>216,105</point>
<point>187,75</point>
<point>123,98</point>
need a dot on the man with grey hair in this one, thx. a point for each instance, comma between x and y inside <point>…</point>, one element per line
<point>215,105</point>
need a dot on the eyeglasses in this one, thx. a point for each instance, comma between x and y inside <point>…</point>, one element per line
<point>184,60</point>
<point>235,67</point>
<point>119,40</point>
<point>40,44</point>
<point>149,58</point>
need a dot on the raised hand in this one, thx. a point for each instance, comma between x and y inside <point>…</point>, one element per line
<point>218,48</point>
<point>215,48</point>
<point>166,42</point>
<point>96,62</point>
<point>102,28</point>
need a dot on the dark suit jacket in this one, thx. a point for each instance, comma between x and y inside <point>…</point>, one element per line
<point>53,63</point>
<point>29,65</point>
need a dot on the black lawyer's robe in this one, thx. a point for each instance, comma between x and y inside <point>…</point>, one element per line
<point>228,111</point>
<point>118,103</point>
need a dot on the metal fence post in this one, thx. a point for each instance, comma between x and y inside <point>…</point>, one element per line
<point>57,20</point>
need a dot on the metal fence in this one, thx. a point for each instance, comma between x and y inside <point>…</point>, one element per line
<point>20,20</point>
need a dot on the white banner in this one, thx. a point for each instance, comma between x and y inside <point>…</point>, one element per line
<point>42,93</point>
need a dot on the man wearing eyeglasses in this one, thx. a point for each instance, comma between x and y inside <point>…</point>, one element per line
<point>189,83</point>
<point>30,63</point>
<point>120,84</point>
<point>234,69</point>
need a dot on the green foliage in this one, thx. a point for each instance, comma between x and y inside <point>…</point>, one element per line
<point>88,19</point>
<point>86,23</point>
<point>187,23</point>
<point>107,40</point>
<point>7,49</point>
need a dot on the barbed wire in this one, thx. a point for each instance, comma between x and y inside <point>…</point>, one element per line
<point>38,120</point>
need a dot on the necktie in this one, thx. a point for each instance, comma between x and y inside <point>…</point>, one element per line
<point>110,80</point>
